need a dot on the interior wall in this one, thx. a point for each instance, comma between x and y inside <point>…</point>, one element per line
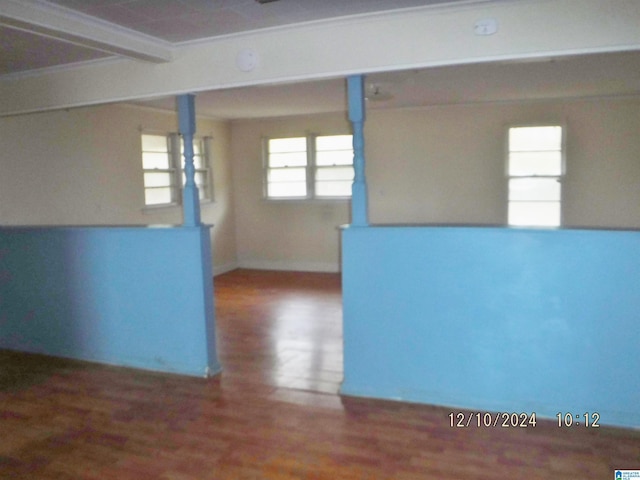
<point>283,235</point>
<point>434,165</point>
<point>74,291</point>
<point>83,167</point>
<point>447,164</point>
<point>494,319</point>
<point>438,165</point>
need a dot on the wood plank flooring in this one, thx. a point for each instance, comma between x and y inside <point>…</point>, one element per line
<point>272,414</point>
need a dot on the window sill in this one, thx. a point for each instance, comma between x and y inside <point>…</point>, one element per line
<point>160,208</point>
<point>151,209</point>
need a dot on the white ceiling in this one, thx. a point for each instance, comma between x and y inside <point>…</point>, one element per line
<point>185,20</point>
<point>36,34</point>
<point>31,30</point>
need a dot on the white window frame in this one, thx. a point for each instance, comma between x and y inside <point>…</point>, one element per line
<point>310,170</point>
<point>176,168</point>
<point>205,190</point>
<point>559,177</point>
<point>172,169</point>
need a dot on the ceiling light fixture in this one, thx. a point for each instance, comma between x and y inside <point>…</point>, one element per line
<point>262,2</point>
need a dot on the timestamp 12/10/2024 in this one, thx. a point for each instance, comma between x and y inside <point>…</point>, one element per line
<point>519,420</point>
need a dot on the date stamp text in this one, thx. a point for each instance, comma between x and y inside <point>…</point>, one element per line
<point>492,419</point>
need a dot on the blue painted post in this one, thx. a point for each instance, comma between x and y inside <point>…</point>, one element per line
<point>359,208</point>
<point>187,126</point>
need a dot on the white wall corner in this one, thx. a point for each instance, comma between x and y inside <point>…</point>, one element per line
<point>227,267</point>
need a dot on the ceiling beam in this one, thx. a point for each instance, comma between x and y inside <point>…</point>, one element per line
<point>393,41</point>
<point>63,24</point>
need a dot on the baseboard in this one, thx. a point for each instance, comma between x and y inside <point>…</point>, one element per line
<point>292,266</point>
<point>227,267</point>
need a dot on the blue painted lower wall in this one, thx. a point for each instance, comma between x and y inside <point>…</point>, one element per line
<point>495,319</point>
<point>131,296</point>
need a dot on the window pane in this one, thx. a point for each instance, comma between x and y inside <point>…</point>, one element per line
<point>154,143</point>
<point>197,146</point>
<point>334,189</point>
<point>334,181</point>
<point>534,189</point>
<point>157,196</point>
<point>202,182</point>
<point>334,150</point>
<point>294,159</point>
<point>198,161</point>
<point>334,173</point>
<point>201,179</point>
<point>287,175</point>
<point>158,179</point>
<point>287,145</point>
<point>535,153</point>
<point>535,138</point>
<point>286,189</point>
<point>340,157</point>
<point>155,160</point>
<point>534,214</point>
<point>334,142</point>
<point>535,163</point>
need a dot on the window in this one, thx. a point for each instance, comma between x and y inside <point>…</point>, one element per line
<point>162,166</point>
<point>287,167</point>
<point>309,167</point>
<point>535,168</point>
<point>201,164</point>
<point>160,186</point>
<point>333,166</point>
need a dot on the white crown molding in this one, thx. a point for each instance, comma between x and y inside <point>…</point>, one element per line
<point>37,72</point>
<point>66,25</point>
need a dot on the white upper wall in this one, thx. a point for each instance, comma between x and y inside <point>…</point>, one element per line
<point>438,165</point>
<point>283,234</point>
<point>412,38</point>
<point>448,164</point>
<point>84,167</point>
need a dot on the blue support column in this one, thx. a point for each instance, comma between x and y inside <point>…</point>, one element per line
<point>359,201</point>
<point>187,126</point>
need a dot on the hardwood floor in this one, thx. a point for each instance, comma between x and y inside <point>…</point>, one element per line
<point>272,414</point>
<point>281,329</point>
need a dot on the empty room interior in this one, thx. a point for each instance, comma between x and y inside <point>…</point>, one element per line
<point>280,239</point>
